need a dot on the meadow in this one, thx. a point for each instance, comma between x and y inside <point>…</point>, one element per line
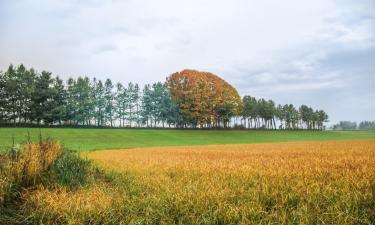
<point>97,139</point>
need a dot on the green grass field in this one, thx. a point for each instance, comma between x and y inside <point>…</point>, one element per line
<point>95,139</point>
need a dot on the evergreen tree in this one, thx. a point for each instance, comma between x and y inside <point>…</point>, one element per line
<point>109,104</point>
<point>146,106</point>
<point>100,103</point>
<point>121,103</point>
<point>3,100</point>
<point>58,102</point>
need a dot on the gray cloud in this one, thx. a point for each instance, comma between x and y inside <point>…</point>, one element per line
<point>318,52</point>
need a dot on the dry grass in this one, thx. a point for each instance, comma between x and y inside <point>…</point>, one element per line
<point>88,205</point>
<point>33,175</point>
<point>24,167</point>
<point>304,182</point>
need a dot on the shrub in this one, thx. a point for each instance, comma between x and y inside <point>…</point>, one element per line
<point>71,170</point>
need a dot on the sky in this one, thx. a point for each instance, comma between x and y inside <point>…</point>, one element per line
<point>320,53</point>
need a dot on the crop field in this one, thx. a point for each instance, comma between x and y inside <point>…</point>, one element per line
<point>305,182</point>
<point>99,139</point>
<point>316,182</point>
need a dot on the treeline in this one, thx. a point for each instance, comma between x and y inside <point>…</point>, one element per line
<point>263,113</point>
<point>349,125</point>
<point>28,97</point>
<point>189,99</point>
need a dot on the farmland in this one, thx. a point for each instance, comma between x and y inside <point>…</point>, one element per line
<point>304,182</point>
<point>329,182</point>
<point>96,139</point>
<point>304,178</point>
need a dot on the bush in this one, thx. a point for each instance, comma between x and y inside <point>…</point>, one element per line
<point>71,170</point>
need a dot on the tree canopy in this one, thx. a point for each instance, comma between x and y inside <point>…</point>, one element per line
<point>203,98</point>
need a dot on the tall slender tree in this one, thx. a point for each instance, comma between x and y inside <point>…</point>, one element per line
<point>109,104</point>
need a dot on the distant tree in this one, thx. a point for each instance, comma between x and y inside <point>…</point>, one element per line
<point>307,116</point>
<point>10,92</point>
<point>291,116</point>
<point>109,104</point>
<point>100,103</point>
<point>28,89</point>
<point>83,99</point>
<point>261,112</point>
<point>146,106</point>
<point>3,100</point>
<point>136,101</point>
<point>154,111</point>
<point>132,102</point>
<point>162,103</point>
<point>367,125</point>
<point>267,112</point>
<point>58,102</point>
<point>121,103</point>
<point>271,114</point>
<point>249,112</point>
<point>281,116</point>
<point>322,118</point>
<point>173,115</point>
<point>345,125</point>
<point>25,88</point>
<point>41,98</point>
<point>71,106</point>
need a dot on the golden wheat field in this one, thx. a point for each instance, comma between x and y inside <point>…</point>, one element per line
<point>330,182</point>
<point>302,182</point>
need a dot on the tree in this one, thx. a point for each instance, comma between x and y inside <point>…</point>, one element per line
<point>154,104</point>
<point>345,125</point>
<point>131,100</point>
<point>203,98</point>
<point>161,103</point>
<point>58,102</point>
<point>136,98</point>
<point>84,100</point>
<point>25,88</point>
<point>367,125</point>
<point>249,112</point>
<point>3,99</point>
<point>41,107</point>
<point>109,104</point>
<point>322,118</point>
<point>281,116</point>
<point>121,99</point>
<point>99,102</point>
<point>71,107</point>
<point>146,105</point>
<point>307,116</point>
<point>291,116</point>
<point>10,88</point>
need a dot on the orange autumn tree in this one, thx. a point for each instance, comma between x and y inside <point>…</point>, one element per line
<point>203,99</point>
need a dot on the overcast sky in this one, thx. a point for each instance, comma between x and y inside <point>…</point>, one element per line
<point>320,53</point>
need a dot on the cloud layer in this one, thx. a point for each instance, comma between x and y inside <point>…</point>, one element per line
<point>314,52</point>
